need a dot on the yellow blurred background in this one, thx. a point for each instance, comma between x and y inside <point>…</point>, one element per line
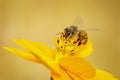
<point>41,20</point>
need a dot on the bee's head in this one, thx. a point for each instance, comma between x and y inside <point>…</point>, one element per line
<point>69,32</point>
<point>71,39</point>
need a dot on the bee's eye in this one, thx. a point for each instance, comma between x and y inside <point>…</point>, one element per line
<point>68,33</point>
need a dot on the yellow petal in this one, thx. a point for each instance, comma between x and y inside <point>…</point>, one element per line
<point>46,51</point>
<point>74,76</point>
<point>22,54</point>
<point>63,75</point>
<point>37,57</point>
<point>42,53</point>
<point>78,66</point>
<point>102,75</point>
<point>84,50</point>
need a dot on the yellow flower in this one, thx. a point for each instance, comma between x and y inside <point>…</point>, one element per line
<point>67,60</point>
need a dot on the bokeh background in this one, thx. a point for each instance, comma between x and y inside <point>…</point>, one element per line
<point>41,20</point>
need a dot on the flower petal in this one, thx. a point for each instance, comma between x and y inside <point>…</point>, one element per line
<point>22,54</point>
<point>37,57</point>
<point>63,75</point>
<point>46,51</point>
<point>41,54</point>
<point>102,75</point>
<point>84,50</point>
<point>78,66</point>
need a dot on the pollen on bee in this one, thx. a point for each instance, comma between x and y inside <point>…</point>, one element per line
<point>84,41</point>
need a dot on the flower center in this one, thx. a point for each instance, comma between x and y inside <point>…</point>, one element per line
<point>70,40</point>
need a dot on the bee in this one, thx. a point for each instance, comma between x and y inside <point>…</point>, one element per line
<point>73,31</point>
<point>71,39</point>
<point>69,32</point>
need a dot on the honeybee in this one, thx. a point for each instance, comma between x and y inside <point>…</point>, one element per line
<point>72,35</point>
<point>73,31</point>
<point>69,32</point>
<point>71,39</point>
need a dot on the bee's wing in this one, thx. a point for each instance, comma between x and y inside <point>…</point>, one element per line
<point>79,23</point>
